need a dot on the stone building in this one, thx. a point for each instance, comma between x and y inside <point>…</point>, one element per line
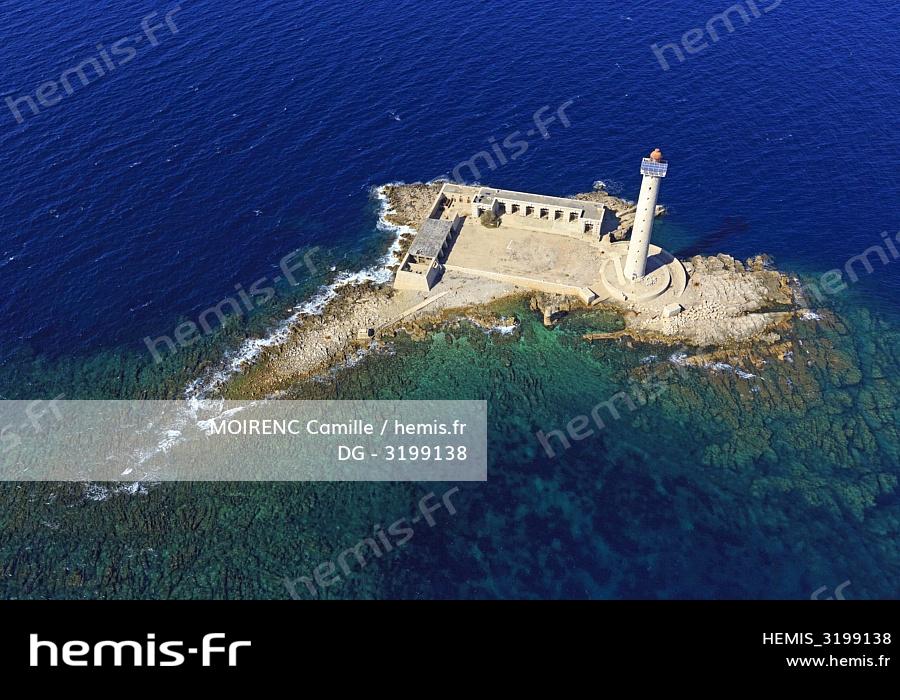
<point>539,212</point>
<point>421,267</point>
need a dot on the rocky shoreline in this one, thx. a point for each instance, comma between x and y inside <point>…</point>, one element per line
<point>732,302</point>
<point>735,307</point>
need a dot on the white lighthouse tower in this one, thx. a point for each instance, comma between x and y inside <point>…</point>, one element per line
<point>653,169</point>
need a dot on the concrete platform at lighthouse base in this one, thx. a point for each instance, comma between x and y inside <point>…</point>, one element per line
<point>549,262</point>
<point>542,261</point>
<point>664,273</point>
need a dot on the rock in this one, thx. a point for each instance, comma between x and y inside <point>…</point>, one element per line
<point>714,264</point>
<point>672,310</point>
<point>759,263</point>
<point>726,260</point>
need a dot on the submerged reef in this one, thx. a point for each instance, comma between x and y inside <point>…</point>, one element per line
<point>750,474</point>
<point>760,468</point>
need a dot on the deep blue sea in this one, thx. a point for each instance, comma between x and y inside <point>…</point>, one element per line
<point>245,130</point>
<point>259,128</point>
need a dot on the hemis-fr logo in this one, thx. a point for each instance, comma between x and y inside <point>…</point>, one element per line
<point>213,650</point>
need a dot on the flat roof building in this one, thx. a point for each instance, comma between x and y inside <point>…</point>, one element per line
<point>573,217</point>
<point>431,238</point>
<point>422,265</point>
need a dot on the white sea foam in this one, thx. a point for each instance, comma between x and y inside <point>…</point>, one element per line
<point>98,492</point>
<point>725,367</point>
<point>505,330</point>
<point>251,349</point>
<point>200,409</point>
<point>507,326</point>
<point>678,358</point>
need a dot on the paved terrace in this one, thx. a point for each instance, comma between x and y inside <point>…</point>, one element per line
<point>544,261</point>
<point>561,264</point>
<point>535,253</point>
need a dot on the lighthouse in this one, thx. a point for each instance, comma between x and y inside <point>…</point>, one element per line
<point>653,169</point>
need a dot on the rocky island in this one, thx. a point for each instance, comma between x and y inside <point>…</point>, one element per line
<point>462,248</point>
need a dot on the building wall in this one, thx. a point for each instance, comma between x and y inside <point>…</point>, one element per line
<point>437,206</point>
<point>423,282</point>
<point>562,225</point>
<point>415,281</point>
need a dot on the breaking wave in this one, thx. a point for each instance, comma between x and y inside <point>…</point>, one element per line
<point>379,273</point>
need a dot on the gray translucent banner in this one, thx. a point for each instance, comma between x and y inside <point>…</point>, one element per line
<point>243,441</point>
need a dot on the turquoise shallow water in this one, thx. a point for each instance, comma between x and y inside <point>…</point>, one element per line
<point>712,484</point>
<point>758,482</point>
